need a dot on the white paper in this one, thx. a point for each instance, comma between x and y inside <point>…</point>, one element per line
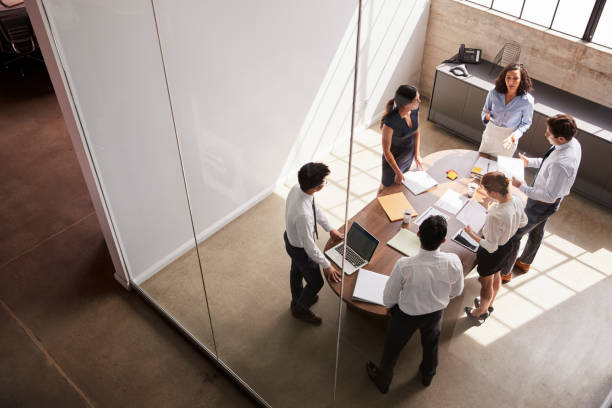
<point>473,214</point>
<point>451,201</point>
<point>511,167</point>
<point>429,213</point>
<point>406,241</point>
<point>418,181</point>
<point>486,165</point>
<point>370,287</point>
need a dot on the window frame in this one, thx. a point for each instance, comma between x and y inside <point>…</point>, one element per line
<point>589,30</point>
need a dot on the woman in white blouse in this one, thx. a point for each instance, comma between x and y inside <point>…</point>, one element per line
<point>501,223</point>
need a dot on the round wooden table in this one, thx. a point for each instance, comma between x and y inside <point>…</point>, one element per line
<point>374,219</point>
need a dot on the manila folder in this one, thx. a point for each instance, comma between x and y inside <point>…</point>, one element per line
<point>394,205</point>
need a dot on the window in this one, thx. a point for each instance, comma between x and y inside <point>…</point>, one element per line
<point>603,32</point>
<point>572,16</point>
<point>585,19</point>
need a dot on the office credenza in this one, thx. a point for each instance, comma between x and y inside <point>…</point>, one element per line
<point>456,104</point>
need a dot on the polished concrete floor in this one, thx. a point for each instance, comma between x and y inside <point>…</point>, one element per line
<point>71,336</point>
<point>547,343</point>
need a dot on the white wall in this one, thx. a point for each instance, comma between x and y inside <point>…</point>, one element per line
<point>110,53</point>
<point>257,89</point>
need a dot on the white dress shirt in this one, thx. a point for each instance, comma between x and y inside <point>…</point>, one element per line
<point>424,283</point>
<point>299,224</point>
<point>557,175</point>
<point>502,222</point>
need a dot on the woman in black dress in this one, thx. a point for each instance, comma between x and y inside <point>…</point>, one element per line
<point>400,135</point>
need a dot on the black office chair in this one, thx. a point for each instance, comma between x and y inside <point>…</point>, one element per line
<point>17,37</point>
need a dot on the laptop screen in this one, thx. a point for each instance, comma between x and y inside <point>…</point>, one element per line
<point>361,241</point>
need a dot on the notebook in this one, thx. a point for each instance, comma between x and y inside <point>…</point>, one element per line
<point>370,287</point>
<point>405,241</point>
<point>394,205</point>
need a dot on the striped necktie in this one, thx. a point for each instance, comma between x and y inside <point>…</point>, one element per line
<point>314,213</point>
<point>545,156</point>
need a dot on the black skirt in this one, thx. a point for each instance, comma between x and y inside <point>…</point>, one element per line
<point>489,263</point>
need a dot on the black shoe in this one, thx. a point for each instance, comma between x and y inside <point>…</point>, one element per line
<point>425,379</point>
<point>468,312</point>
<point>377,377</point>
<point>477,304</point>
<point>305,314</point>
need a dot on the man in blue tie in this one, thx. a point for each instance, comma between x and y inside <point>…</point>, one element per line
<point>555,176</point>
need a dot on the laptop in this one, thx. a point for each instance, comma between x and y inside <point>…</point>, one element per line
<point>360,246</point>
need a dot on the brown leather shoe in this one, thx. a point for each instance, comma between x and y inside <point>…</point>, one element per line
<point>506,278</point>
<point>522,266</point>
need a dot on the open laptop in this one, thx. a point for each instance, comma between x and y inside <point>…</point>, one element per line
<point>360,246</point>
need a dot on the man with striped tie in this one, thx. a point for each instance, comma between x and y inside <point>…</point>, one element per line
<point>555,176</point>
<point>301,219</point>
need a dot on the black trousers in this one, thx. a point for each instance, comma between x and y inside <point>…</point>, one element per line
<point>401,328</point>
<point>303,268</point>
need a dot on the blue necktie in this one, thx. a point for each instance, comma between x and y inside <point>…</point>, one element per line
<point>545,156</point>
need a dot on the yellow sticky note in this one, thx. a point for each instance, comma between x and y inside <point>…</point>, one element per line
<point>452,174</point>
<point>476,169</point>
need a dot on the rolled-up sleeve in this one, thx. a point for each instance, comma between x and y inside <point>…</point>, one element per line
<point>491,232</point>
<point>553,187</point>
<point>305,230</point>
<point>526,115</point>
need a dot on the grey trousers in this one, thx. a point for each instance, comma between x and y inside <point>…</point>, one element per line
<point>537,215</point>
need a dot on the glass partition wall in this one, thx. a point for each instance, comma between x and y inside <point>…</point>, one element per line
<point>196,140</point>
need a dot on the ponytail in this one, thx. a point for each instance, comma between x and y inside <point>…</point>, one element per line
<point>388,108</point>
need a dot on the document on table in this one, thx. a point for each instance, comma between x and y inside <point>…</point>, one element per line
<point>406,241</point>
<point>511,167</point>
<point>451,201</point>
<point>418,181</point>
<point>483,166</point>
<point>473,214</point>
<point>370,287</point>
<point>429,213</point>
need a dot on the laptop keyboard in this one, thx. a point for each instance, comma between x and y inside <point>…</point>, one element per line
<point>351,256</point>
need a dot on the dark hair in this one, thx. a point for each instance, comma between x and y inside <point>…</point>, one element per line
<point>403,96</point>
<point>432,232</point>
<point>496,181</point>
<point>312,175</point>
<point>562,126</point>
<point>524,87</point>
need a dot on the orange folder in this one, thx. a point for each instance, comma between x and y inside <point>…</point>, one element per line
<point>394,205</point>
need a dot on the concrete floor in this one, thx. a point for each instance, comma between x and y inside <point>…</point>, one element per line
<point>70,335</point>
<point>546,345</point>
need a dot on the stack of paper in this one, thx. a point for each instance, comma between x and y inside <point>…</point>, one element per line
<point>405,241</point>
<point>511,167</point>
<point>370,287</point>
<point>418,181</point>
<point>429,213</point>
<point>394,205</point>
<point>451,201</point>
<point>483,166</point>
<point>473,214</point>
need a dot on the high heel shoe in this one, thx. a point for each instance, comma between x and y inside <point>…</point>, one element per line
<point>468,312</point>
<point>477,304</point>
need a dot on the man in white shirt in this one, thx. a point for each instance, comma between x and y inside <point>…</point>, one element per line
<point>301,218</point>
<point>418,291</point>
<point>556,174</point>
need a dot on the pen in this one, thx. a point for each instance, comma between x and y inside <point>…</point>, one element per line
<point>488,167</point>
